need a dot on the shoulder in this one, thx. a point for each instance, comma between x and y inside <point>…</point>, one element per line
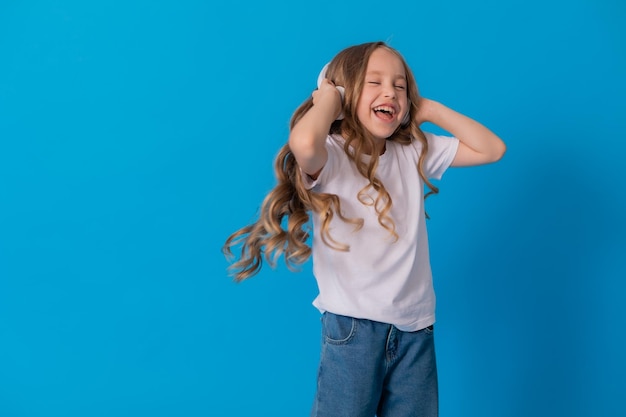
<point>335,146</point>
<point>440,153</point>
<point>441,143</point>
<point>415,147</point>
<point>335,141</point>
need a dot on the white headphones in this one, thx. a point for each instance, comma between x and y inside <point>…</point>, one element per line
<point>405,121</point>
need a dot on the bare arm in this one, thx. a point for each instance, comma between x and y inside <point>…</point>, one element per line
<point>308,136</point>
<point>478,145</point>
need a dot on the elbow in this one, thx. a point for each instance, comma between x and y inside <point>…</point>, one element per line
<point>303,147</point>
<point>299,146</point>
<point>310,155</point>
<point>499,151</point>
<point>496,150</point>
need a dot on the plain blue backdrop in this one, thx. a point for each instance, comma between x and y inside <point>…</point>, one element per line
<point>136,135</point>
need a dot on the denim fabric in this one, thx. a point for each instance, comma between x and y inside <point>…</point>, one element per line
<point>372,369</point>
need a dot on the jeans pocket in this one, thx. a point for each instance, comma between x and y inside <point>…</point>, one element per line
<point>338,330</point>
<point>430,329</point>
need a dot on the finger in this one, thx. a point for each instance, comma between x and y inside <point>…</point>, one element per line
<point>327,82</point>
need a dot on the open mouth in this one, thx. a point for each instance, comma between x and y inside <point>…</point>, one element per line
<point>385,112</point>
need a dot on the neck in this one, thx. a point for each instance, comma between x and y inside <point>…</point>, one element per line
<point>380,147</point>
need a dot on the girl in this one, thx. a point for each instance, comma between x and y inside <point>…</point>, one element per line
<point>357,161</point>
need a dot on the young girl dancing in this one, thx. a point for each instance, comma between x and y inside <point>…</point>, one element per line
<point>357,162</point>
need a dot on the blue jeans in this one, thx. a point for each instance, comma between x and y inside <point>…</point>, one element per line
<point>369,368</point>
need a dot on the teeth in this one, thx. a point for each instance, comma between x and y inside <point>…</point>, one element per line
<point>385,109</point>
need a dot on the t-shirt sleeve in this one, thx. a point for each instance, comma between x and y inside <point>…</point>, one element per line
<point>441,153</point>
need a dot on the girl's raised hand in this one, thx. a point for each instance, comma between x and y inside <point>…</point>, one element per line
<point>328,95</point>
<point>423,110</point>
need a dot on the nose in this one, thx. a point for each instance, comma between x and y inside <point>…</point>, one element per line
<point>389,91</point>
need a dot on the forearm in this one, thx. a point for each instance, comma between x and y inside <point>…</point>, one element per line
<point>308,136</point>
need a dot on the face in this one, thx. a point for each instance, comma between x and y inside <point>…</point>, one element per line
<point>383,102</point>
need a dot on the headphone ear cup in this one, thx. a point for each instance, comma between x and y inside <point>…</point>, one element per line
<point>322,75</point>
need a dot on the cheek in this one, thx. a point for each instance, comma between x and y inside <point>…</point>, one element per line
<point>363,107</point>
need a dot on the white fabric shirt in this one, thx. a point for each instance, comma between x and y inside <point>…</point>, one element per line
<point>379,278</point>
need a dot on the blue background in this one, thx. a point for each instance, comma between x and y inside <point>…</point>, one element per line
<point>136,135</point>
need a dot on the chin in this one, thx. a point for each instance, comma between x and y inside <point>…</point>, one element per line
<point>383,134</point>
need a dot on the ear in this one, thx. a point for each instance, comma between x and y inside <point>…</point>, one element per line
<point>339,88</point>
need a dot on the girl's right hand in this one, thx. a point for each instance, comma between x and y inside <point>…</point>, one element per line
<point>328,95</point>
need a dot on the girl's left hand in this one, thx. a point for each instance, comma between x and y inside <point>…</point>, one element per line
<point>423,110</point>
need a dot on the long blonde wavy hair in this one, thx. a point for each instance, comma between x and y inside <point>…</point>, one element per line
<point>270,236</point>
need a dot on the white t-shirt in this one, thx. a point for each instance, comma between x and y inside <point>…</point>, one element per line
<point>379,278</point>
